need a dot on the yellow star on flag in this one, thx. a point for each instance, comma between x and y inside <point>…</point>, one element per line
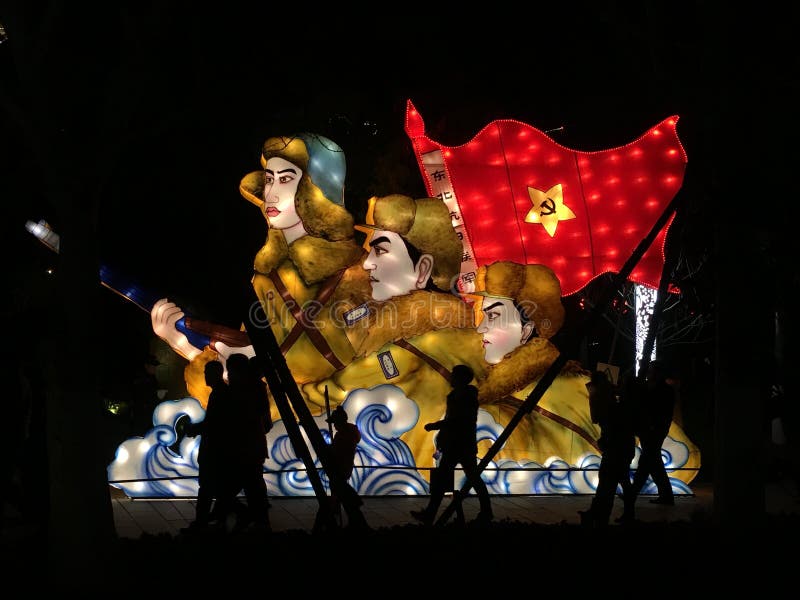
<point>548,208</point>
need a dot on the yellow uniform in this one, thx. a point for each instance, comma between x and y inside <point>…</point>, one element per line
<point>413,350</point>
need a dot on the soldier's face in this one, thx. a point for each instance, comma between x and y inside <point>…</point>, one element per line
<point>501,327</point>
<point>391,271</point>
<point>280,187</point>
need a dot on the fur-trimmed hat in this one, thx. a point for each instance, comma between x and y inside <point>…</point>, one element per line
<point>320,193</point>
<point>425,223</point>
<point>535,290</point>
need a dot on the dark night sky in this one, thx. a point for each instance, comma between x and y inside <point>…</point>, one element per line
<point>211,84</point>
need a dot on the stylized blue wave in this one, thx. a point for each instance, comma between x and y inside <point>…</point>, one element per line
<point>150,466</point>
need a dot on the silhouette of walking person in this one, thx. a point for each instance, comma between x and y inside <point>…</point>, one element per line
<point>457,442</point>
<point>210,452</point>
<point>617,445</point>
<point>655,406</point>
<point>344,446</point>
<point>245,445</point>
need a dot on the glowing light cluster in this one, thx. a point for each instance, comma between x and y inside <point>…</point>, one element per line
<point>644,303</point>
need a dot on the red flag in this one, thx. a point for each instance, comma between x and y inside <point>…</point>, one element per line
<point>515,194</point>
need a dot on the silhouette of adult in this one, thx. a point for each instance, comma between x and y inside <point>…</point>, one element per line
<point>245,444</point>
<point>655,406</point>
<point>344,443</point>
<point>344,446</point>
<point>457,441</point>
<point>617,445</point>
<point>210,455</point>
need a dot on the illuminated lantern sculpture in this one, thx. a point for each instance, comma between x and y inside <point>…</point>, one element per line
<point>521,203</point>
<point>377,331</point>
<point>300,192</point>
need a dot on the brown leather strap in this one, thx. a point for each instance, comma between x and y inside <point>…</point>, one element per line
<point>515,402</point>
<point>569,425</point>
<point>327,288</point>
<point>303,325</point>
<point>325,291</point>
<point>428,359</point>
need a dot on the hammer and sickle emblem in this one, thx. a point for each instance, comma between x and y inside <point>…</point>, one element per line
<point>548,207</point>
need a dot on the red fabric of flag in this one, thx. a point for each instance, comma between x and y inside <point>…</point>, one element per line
<point>523,197</point>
